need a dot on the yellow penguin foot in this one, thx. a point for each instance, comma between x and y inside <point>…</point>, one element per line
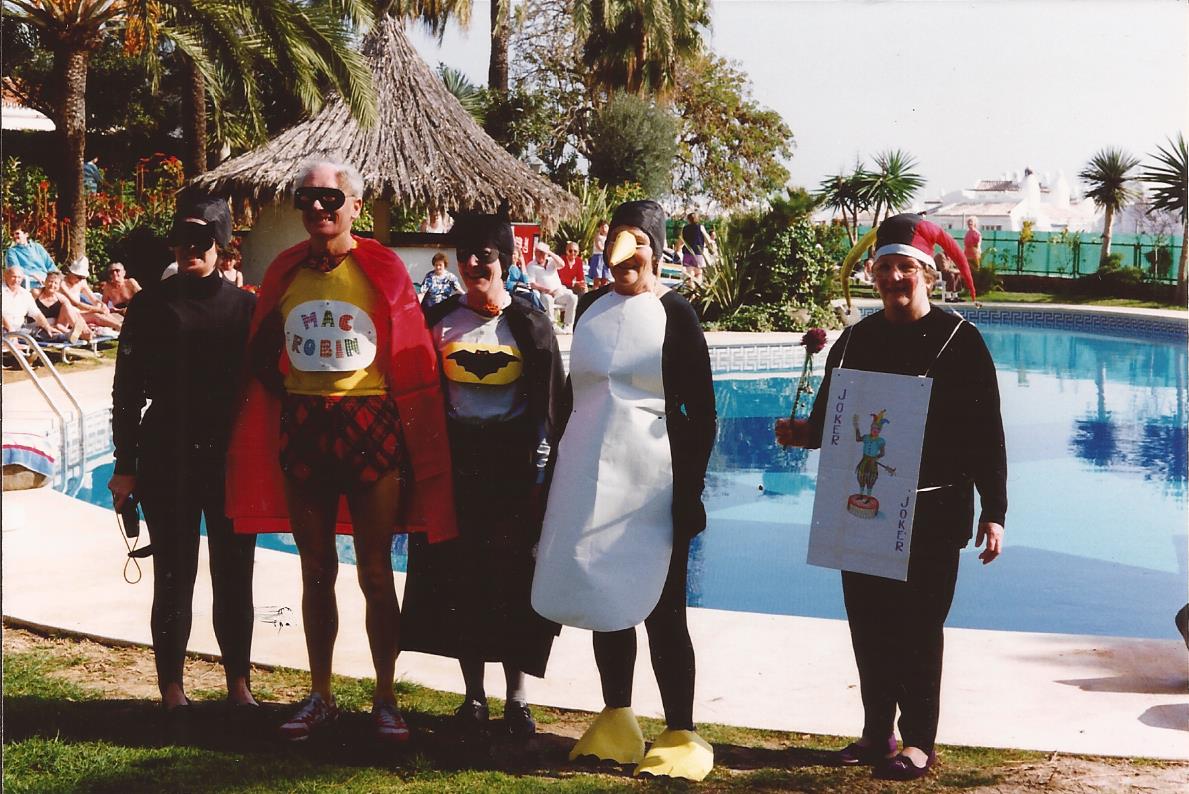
<point>682,754</point>
<point>613,736</point>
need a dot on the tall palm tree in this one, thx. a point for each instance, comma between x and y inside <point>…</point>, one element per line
<point>1108,176</point>
<point>635,45</point>
<point>288,31</point>
<point>893,183</point>
<point>227,49</point>
<point>1169,175</point>
<point>71,31</point>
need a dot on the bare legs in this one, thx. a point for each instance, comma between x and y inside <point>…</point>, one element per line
<point>312,513</point>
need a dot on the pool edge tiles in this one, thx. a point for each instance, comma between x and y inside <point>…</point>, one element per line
<point>1089,319</point>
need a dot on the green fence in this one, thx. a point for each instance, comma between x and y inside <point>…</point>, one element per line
<point>1074,254</point>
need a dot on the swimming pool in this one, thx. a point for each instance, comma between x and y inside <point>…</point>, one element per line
<point>1096,528</point>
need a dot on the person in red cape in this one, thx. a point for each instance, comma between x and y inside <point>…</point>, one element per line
<point>341,429</point>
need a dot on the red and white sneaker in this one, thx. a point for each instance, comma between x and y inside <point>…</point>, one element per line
<point>390,725</point>
<point>312,714</point>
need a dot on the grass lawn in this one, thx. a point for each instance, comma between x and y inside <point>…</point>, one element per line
<point>81,716</point>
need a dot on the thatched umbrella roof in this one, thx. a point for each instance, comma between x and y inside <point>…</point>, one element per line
<point>425,150</point>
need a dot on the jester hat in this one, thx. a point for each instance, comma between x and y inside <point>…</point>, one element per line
<point>909,234</point>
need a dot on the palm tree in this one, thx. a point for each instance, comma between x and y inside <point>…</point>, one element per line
<point>222,47</point>
<point>71,31</point>
<point>1169,175</point>
<point>892,185</point>
<point>469,95</point>
<point>291,32</point>
<point>635,45</point>
<point>1108,175</point>
<point>846,194</point>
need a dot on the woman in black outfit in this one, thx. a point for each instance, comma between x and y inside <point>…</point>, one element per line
<point>182,347</point>
<point>896,627</point>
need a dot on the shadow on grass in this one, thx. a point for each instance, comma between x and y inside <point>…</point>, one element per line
<point>130,745</point>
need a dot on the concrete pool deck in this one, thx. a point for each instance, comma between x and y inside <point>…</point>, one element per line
<point>63,558</point>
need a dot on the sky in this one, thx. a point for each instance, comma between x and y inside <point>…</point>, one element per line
<point>972,88</point>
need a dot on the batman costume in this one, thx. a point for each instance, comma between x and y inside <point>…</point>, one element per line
<point>502,376</point>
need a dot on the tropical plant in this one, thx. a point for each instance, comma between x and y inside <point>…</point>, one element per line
<point>633,140</point>
<point>1169,176</point>
<point>846,195</point>
<point>472,98</point>
<point>891,185</point>
<point>595,202</point>
<point>635,45</point>
<point>727,282</point>
<point>307,42</point>
<point>1108,177</point>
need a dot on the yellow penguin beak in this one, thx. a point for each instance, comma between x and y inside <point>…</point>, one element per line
<point>623,249</point>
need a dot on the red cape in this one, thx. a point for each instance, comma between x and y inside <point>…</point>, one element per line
<point>255,492</point>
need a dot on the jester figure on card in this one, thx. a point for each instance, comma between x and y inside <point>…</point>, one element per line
<point>503,380</point>
<point>341,430</point>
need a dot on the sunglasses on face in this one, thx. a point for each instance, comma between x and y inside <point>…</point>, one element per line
<point>484,256</point>
<point>330,198</point>
<point>198,236</point>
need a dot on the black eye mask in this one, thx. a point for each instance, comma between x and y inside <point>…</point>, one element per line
<point>331,198</point>
<point>193,235</point>
<point>485,255</point>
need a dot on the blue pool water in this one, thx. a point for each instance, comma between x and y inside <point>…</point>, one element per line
<point>1097,524</point>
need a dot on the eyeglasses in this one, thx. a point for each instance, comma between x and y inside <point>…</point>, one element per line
<point>199,236</point>
<point>331,198</point>
<point>906,268</point>
<point>484,256</point>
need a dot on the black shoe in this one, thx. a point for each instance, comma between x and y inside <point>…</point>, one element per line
<point>518,720</point>
<point>471,717</point>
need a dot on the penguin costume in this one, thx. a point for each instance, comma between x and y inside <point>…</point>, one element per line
<point>502,378</point>
<point>626,494</point>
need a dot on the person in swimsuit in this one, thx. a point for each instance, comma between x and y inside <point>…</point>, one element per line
<point>61,314</point>
<point>118,289</point>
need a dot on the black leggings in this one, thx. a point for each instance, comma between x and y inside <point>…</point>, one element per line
<point>173,505</point>
<point>670,647</point>
<point>899,658</point>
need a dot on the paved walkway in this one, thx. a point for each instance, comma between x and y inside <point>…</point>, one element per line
<point>1074,694</point>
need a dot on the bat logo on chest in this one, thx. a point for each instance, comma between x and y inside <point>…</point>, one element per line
<point>487,364</point>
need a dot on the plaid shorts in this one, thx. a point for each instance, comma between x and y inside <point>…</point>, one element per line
<point>343,441</point>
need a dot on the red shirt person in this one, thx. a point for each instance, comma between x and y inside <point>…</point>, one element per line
<point>573,272</point>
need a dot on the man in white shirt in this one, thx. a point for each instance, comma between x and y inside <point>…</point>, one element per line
<point>18,305</point>
<point>544,278</point>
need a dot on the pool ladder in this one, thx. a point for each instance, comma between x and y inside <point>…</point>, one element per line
<point>73,426</point>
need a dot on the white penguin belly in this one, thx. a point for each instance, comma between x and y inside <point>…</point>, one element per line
<point>608,531</point>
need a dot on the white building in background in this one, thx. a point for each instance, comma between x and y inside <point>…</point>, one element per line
<point>1006,203</point>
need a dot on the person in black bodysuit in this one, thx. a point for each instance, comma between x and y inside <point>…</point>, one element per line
<point>897,627</point>
<point>182,347</point>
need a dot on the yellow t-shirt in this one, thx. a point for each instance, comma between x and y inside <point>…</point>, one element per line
<point>330,337</point>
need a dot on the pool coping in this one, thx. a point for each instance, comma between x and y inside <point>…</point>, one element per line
<point>1053,692</point>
